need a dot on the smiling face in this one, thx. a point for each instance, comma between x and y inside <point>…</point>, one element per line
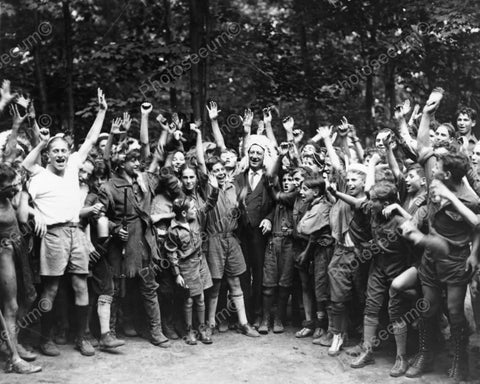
<point>355,183</point>
<point>308,194</point>
<point>189,179</point>
<point>85,172</point>
<point>465,124</point>
<point>178,160</point>
<point>256,155</point>
<point>58,153</point>
<point>308,150</point>
<point>132,165</point>
<point>413,181</point>
<point>218,170</point>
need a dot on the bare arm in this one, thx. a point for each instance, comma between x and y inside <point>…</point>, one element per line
<point>267,119</point>
<point>10,152</point>
<point>325,133</point>
<point>217,133</point>
<point>199,148</point>
<point>146,108</point>
<point>92,135</point>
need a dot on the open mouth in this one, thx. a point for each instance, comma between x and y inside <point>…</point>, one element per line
<point>60,161</point>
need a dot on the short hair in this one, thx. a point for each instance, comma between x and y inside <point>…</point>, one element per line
<point>212,160</point>
<point>470,112</point>
<point>416,168</point>
<point>315,183</point>
<point>450,128</point>
<point>358,168</point>
<point>7,173</point>
<point>304,171</point>
<point>55,138</point>
<point>384,191</point>
<point>181,204</point>
<point>456,163</point>
<point>134,153</point>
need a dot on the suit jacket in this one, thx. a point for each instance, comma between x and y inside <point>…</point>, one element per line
<point>254,205</point>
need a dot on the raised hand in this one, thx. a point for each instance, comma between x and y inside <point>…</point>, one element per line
<point>213,110</point>
<point>22,101</point>
<point>247,120</point>
<point>146,108</point>
<point>163,122</point>
<point>388,210</point>
<point>127,121</point>
<point>433,100</point>
<point>213,181</point>
<point>44,134</point>
<point>406,107</point>
<point>194,128</point>
<point>5,94</point>
<point>116,124</point>
<point>267,115</point>
<point>102,103</point>
<point>177,121</point>
<point>440,190</point>
<point>344,127</point>
<point>260,128</point>
<point>288,123</point>
<point>297,135</point>
<point>17,117</point>
<point>324,132</point>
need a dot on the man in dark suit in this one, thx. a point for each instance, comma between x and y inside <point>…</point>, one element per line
<point>255,204</point>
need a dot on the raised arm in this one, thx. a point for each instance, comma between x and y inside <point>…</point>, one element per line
<point>423,136</point>
<point>437,188</point>
<point>199,147</point>
<point>267,120</point>
<point>350,200</point>
<point>10,152</point>
<point>5,95</point>
<point>391,159</point>
<point>30,162</point>
<point>247,127</point>
<point>94,131</point>
<point>217,133</point>
<point>325,134</point>
<point>145,108</point>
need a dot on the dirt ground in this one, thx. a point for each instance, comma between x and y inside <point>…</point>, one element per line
<point>232,358</point>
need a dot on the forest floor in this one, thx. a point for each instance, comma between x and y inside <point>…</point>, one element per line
<point>232,358</point>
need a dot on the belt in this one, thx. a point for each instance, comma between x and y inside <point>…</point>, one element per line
<point>68,224</point>
<point>288,232</point>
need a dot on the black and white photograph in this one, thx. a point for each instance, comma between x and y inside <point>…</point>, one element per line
<point>228,191</point>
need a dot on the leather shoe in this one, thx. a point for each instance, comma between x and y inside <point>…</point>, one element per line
<point>247,330</point>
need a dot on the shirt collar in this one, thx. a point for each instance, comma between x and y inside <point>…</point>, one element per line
<point>258,172</point>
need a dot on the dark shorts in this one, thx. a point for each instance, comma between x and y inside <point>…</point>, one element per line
<point>278,264</point>
<point>225,256</point>
<point>341,273</point>
<point>101,280</point>
<point>64,249</point>
<point>321,259</point>
<point>196,274</point>
<point>449,271</point>
<point>383,269</point>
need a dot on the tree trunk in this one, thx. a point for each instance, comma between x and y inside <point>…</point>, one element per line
<point>68,49</point>
<point>198,18</point>
<point>168,41</point>
<point>390,97</point>
<point>307,68</point>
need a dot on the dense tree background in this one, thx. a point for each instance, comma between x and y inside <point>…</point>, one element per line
<point>292,54</point>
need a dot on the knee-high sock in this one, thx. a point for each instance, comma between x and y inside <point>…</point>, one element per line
<point>200,304</point>
<point>267,302</point>
<point>187,311</point>
<point>240,308</point>
<point>103,309</point>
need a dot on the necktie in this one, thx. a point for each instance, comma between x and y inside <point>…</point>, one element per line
<point>253,180</point>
